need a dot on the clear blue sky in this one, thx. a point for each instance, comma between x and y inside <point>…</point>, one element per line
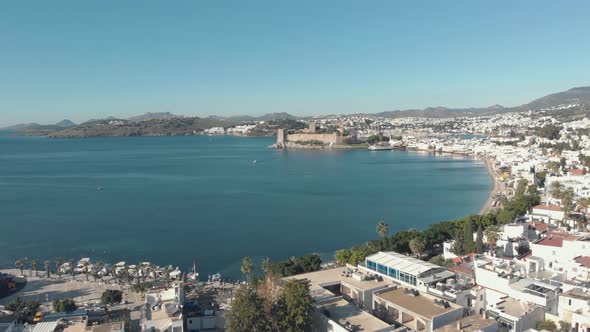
<point>90,59</point>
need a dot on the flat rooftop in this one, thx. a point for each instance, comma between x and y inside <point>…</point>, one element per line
<point>577,293</point>
<point>474,323</point>
<point>333,276</point>
<point>341,311</point>
<point>421,304</point>
<point>514,307</point>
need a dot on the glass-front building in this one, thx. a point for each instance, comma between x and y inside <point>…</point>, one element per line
<point>405,269</point>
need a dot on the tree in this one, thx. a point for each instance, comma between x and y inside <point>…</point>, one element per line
<point>343,256</point>
<point>532,189</point>
<point>522,249</point>
<point>583,204</point>
<point>247,312</point>
<point>567,201</point>
<point>553,166</point>
<point>556,189</point>
<point>418,245</point>
<point>246,268</point>
<point>548,325</point>
<point>469,245</point>
<point>23,311</point>
<point>564,326</point>
<point>521,187</point>
<point>111,296</point>
<point>479,240</point>
<point>34,265</point>
<point>382,229</point>
<point>294,307</point>
<point>267,266</point>
<point>58,264</point>
<point>47,265</point>
<point>71,267</point>
<point>65,305</point>
<point>20,264</point>
<point>458,247</point>
<point>440,261</point>
<point>491,236</point>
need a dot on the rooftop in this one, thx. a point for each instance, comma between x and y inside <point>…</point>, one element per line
<point>577,293</point>
<point>472,323</point>
<point>344,312</point>
<point>420,304</point>
<point>550,241</point>
<point>583,260</point>
<point>547,207</point>
<point>333,276</point>
<point>402,262</point>
<point>117,326</point>
<point>514,307</point>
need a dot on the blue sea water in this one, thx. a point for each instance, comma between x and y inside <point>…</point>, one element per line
<point>172,200</point>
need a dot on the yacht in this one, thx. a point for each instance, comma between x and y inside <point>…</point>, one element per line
<point>380,147</point>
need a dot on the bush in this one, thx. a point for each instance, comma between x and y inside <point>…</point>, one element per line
<point>65,305</point>
<point>111,296</point>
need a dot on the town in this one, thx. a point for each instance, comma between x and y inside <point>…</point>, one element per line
<point>521,265</point>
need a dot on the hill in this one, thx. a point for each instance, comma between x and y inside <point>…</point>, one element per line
<point>153,116</point>
<point>155,127</point>
<point>579,96</point>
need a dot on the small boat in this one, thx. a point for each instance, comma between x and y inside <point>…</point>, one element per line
<point>100,188</point>
<point>380,148</point>
<point>216,277</point>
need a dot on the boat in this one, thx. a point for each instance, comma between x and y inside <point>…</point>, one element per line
<point>380,148</point>
<point>216,277</point>
<point>193,275</point>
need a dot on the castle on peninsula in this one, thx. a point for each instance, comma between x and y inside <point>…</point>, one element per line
<point>309,136</point>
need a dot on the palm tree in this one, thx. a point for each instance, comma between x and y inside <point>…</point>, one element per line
<point>556,189</point>
<point>47,265</point>
<point>58,263</point>
<point>583,204</point>
<point>71,267</point>
<point>21,265</point>
<point>491,234</point>
<point>267,266</point>
<point>382,229</point>
<point>86,270</point>
<point>247,267</point>
<point>418,245</point>
<point>34,264</point>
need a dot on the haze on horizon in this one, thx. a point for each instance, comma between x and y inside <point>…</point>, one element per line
<point>79,60</point>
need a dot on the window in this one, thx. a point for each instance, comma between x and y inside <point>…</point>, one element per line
<point>381,269</point>
<point>371,265</point>
<point>570,302</point>
<point>393,273</point>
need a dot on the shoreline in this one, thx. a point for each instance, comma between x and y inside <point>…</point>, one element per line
<point>487,207</point>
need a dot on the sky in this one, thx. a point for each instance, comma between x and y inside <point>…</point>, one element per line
<point>79,60</point>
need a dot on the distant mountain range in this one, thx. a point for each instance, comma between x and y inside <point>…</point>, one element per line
<point>559,104</point>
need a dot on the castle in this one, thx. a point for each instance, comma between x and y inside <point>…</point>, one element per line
<point>308,135</point>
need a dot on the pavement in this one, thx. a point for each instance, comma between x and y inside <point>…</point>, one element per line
<point>83,292</point>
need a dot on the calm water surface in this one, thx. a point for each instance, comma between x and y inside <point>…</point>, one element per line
<point>172,200</point>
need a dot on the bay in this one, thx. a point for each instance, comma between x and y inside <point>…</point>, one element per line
<point>172,200</point>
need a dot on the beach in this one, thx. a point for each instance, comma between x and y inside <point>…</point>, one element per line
<point>496,186</point>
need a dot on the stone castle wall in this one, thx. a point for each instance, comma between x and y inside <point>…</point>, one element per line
<point>334,138</point>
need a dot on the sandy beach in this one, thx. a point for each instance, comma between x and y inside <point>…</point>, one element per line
<point>487,207</point>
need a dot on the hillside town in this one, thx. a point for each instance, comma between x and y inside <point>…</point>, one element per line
<point>522,265</point>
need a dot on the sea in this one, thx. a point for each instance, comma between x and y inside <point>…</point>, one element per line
<point>214,200</point>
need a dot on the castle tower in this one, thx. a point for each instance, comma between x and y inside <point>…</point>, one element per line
<point>312,126</point>
<point>281,138</point>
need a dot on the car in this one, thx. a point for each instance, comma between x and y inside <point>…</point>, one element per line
<point>38,317</point>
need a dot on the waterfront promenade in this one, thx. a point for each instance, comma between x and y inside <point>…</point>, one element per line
<point>86,293</point>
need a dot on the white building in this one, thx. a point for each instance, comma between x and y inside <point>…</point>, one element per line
<point>509,278</point>
<point>407,271</point>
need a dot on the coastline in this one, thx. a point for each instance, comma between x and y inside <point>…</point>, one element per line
<point>488,205</point>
